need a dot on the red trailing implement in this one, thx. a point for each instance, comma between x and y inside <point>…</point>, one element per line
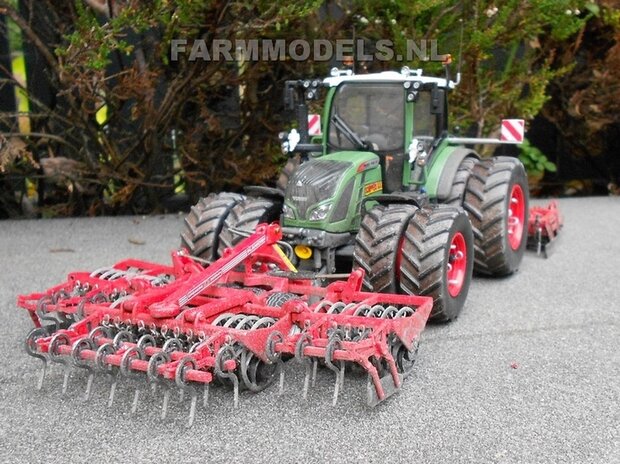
<point>236,320</point>
<point>544,226</point>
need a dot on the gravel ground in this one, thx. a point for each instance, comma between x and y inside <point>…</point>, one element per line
<point>530,372</point>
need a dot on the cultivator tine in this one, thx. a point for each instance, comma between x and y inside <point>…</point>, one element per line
<point>192,408</point>
<point>86,343</point>
<point>112,391</point>
<point>65,379</point>
<point>225,353</point>
<point>164,406</point>
<point>89,386</point>
<point>32,350</point>
<point>335,342</point>
<point>58,340</point>
<point>205,396</point>
<point>304,341</point>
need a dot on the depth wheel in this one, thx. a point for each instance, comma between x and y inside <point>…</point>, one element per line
<point>378,244</point>
<point>437,259</point>
<point>204,223</point>
<point>496,200</point>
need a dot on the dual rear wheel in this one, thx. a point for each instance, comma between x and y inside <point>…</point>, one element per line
<point>420,251</point>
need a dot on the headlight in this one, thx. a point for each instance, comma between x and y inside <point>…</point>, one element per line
<point>320,213</point>
<point>287,212</point>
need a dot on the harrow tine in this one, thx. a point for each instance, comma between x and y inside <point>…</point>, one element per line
<point>335,342</point>
<point>135,352</point>
<point>57,340</point>
<point>65,379</point>
<point>306,382</point>
<point>164,406</point>
<point>89,387</point>
<point>273,357</point>
<point>315,364</point>
<point>31,349</point>
<point>303,341</point>
<point>281,382</point>
<point>42,373</point>
<point>205,396</point>
<point>192,408</point>
<point>136,398</point>
<point>112,392</point>
<point>76,353</point>
<point>219,363</point>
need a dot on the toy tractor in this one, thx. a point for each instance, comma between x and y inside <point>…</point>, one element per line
<point>386,189</point>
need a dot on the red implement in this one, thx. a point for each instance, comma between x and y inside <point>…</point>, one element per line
<point>543,227</point>
<point>236,320</point>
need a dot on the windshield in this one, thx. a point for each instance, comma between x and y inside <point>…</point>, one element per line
<point>374,112</point>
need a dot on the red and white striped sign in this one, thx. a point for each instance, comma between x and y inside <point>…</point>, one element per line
<point>314,124</point>
<point>512,130</point>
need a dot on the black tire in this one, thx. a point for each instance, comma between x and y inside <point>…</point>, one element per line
<point>287,171</point>
<point>426,256</point>
<point>204,223</point>
<point>277,299</point>
<point>457,193</point>
<point>487,202</point>
<point>245,216</point>
<point>377,244</point>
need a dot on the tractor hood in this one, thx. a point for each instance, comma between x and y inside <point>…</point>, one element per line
<point>326,193</point>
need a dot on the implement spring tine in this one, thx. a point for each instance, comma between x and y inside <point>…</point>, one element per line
<point>42,373</point>
<point>236,392</point>
<point>314,369</point>
<point>112,392</point>
<point>164,406</point>
<point>307,381</point>
<point>205,396</point>
<point>335,342</point>
<point>89,386</point>
<point>65,379</point>
<point>192,408</point>
<point>136,398</point>
<point>32,350</point>
<point>281,382</point>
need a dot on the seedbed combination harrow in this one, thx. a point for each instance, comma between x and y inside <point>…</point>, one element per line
<point>235,322</point>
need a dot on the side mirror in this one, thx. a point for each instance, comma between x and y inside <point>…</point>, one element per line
<point>438,101</point>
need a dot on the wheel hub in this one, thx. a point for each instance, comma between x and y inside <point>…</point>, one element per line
<point>516,217</point>
<point>457,264</point>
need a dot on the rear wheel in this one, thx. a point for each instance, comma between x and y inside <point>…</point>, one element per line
<point>244,218</point>
<point>437,259</point>
<point>377,246</point>
<point>497,200</point>
<point>204,223</point>
<point>457,193</point>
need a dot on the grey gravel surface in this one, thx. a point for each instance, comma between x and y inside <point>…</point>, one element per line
<point>529,373</point>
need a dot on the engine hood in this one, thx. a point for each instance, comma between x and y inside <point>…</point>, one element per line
<point>326,192</point>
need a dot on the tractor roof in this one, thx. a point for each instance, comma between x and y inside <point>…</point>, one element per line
<point>339,76</point>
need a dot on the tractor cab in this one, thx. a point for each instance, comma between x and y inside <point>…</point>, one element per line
<point>383,117</point>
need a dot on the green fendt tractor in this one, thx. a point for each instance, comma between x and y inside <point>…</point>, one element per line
<point>386,189</point>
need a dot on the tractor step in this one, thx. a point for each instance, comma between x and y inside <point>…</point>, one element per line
<point>236,321</point>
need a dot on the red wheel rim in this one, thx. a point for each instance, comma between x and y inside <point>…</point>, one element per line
<point>457,264</point>
<point>516,217</point>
